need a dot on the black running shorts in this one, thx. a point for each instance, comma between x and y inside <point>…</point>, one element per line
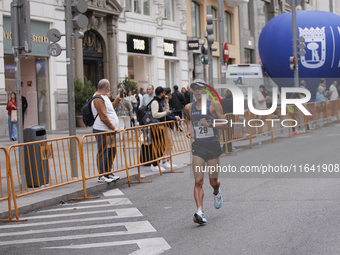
<point>206,150</point>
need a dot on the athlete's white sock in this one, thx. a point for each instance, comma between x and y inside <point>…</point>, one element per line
<point>199,210</point>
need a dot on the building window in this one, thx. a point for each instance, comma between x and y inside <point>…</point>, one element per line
<point>215,23</point>
<point>227,27</point>
<point>169,10</point>
<point>137,74</point>
<point>247,56</point>
<point>137,7</point>
<point>195,17</point>
<point>262,13</point>
<point>246,23</point>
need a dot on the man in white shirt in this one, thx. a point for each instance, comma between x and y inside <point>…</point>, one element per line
<point>334,91</point>
<point>334,96</point>
<point>106,120</point>
<point>260,102</point>
<point>148,96</point>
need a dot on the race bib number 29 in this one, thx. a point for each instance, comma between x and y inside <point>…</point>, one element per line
<point>203,131</point>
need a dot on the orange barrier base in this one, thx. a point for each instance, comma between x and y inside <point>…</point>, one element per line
<point>8,220</point>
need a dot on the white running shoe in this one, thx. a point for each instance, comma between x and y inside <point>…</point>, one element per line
<point>155,168</point>
<point>103,179</point>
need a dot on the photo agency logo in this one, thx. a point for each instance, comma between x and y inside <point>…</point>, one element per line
<point>239,108</point>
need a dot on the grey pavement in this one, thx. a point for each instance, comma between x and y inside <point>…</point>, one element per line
<point>279,215</point>
<point>54,196</point>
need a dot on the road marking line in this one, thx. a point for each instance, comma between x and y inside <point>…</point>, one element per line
<point>112,202</point>
<point>147,246</point>
<point>52,230</point>
<point>137,227</point>
<point>69,214</point>
<point>334,135</point>
<point>121,213</point>
<point>113,192</point>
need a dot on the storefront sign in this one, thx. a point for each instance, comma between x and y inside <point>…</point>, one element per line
<point>169,48</point>
<point>39,37</point>
<point>193,45</point>
<point>138,44</point>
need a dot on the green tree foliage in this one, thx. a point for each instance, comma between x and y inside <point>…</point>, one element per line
<point>128,85</point>
<point>82,92</point>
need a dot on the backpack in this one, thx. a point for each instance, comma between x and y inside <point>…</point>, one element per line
<point>88,117</point>
<point>144,111</point>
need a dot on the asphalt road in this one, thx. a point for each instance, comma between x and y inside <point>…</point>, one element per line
<point>288,213</point>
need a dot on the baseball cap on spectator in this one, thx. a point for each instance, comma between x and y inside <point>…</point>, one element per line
<point>159,90</point>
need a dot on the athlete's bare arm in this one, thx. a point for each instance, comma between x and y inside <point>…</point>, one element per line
<point>216,111</point>
<point>187,110</point>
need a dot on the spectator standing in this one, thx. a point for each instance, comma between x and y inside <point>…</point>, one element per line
<point>178,102</point>
<point>169,117</point>
<point>334,96</point>
<point>139,98</point>
<point>106,121</point>
<point>158,138</point>
<point>320,101</point>
<point>148,96</point>
<point>183,90</point>
<point>24,108</point>
<point>133,102</point>
<point>260,102</point>
<point>12,125</point>
<point>124,112</point>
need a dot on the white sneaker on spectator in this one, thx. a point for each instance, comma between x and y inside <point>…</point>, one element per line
<point>103,179</point>
<point>155,168</point>
<point>113,177</point>
<point>167,165</point>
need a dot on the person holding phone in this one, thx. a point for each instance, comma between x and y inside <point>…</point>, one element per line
<point>12,125</point>
<point>159,112</point>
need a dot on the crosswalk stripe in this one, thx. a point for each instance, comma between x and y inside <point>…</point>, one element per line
<point>112,202</point>
<point>147,246</point>
<point>69,214</point>
<point>137,227</point>
<point>121,213</point>
<point>113,192</point>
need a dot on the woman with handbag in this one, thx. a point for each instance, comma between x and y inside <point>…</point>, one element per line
<point>12,117</point>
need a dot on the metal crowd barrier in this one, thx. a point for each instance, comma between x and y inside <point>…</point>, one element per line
<point>5,186</point>
<point>147,144</point>
<point>43,165</point>
<point>102,154</point>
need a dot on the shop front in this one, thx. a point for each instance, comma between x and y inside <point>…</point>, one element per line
<point>139,59</point>
<point>34,73</point>
<point>171,61</point>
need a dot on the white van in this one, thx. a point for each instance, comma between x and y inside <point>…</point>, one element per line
<point>250,75</point>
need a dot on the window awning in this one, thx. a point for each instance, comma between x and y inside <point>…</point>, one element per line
<point>233,3</point>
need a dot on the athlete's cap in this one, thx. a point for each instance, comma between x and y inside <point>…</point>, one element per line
<point>199,83</point>
<point>159,90</point>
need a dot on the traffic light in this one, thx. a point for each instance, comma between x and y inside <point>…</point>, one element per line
<point>204,51</point>
<point>210,29</point>
<point>293,63</point>
<point>302,46</point>
<point>79,21</point>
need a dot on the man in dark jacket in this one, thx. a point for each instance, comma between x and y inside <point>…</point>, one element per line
<point>177,102</point>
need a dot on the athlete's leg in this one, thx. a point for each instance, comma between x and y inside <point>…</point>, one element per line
<point>213,175</point>
<point>198,165</point>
